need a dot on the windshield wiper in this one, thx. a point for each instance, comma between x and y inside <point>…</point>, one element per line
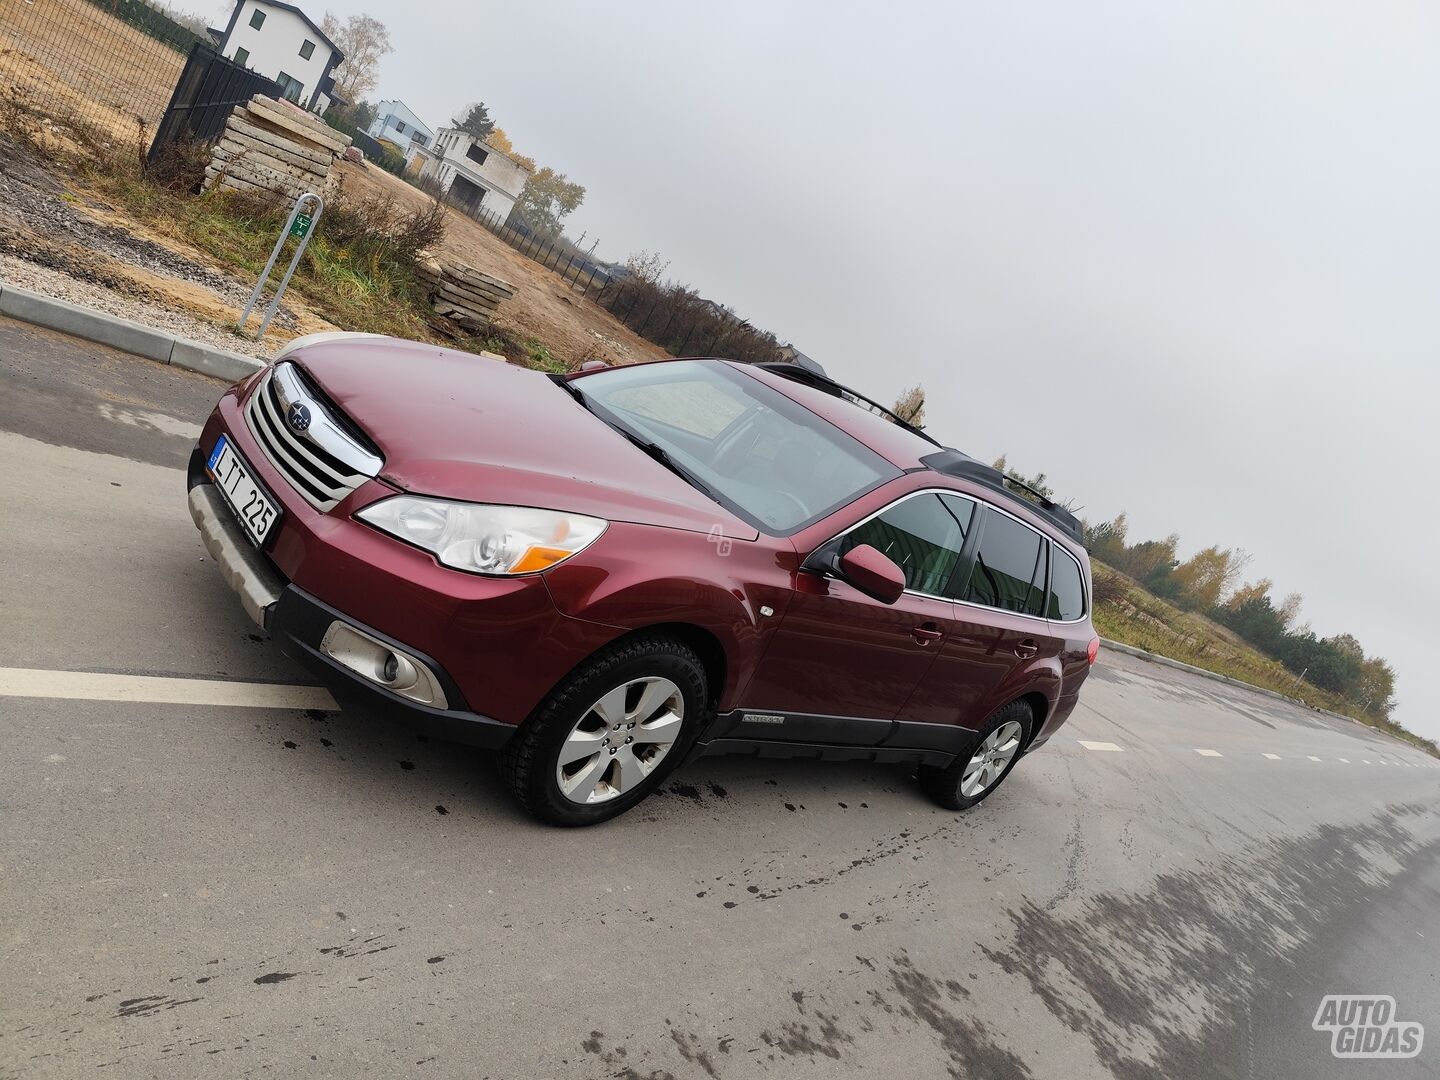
<point>571,389</point>
<point>655,450</point>
<point>660,454</point>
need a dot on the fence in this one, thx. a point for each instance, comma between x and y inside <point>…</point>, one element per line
<point>552,252</point>
<point>685,324</point>
<point>107,67</point>
<point>209,87</point>
<point>677,319</point>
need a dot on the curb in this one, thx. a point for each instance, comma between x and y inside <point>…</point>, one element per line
<point>122,334</point>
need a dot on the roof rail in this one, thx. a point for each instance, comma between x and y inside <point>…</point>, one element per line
<point>820,381</point>
<point>953,462</point>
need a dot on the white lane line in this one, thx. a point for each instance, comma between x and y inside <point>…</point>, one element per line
<point>1312,757</point>
<point>1272,757</point>
<point>1208,753</point>
<point>1106,746</point>
<point>159,690</point>
<point>1365,761</point>
<point>1345,760</point>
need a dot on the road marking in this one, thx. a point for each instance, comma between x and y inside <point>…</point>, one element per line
<point>1312,757</point>
<point>1106,746</point>
<point>159,690</point>
<point>1365,761</point>
<point>1272,757</point>
<point>1208,753</point>
<point>1346,760</point>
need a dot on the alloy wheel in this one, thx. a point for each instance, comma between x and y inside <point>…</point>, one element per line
<point>990,759</point>
<point>620,740</point>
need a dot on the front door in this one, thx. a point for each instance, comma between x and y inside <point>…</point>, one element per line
<point>841,666</point>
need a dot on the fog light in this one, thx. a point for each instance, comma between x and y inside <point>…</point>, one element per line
<point>379,663</point>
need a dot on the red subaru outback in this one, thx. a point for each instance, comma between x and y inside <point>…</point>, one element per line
<point>606,573</point>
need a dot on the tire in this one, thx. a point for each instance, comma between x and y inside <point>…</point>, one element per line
<point>948,786</point>
<point>608,719</point>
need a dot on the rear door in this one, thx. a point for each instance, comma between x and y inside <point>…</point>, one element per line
<point>998,626</point>
<point>841,665</point>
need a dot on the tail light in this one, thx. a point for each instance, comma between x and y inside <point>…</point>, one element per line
<point>1094,649</point>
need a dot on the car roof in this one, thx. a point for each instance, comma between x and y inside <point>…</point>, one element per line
<point>902,448</point>
<point>908,449</point>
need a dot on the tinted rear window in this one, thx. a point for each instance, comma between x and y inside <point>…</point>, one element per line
<point>1009,571</point>
<point>1067,589</point>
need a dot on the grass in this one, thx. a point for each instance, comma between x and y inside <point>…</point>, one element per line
<point>1126,612</point>
<point>358,271</point>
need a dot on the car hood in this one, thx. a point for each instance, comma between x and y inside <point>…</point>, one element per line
<point>460,426</point>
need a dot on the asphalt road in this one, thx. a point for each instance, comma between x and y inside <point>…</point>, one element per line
<point>198,889</point>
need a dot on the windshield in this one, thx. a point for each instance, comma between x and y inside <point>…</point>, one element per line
<point>768,459</point>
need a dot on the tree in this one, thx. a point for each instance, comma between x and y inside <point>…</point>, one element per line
<point>1289,609</point>
<point>476,122</point>
<point>1207,576</point>
<point>910,406</point>
<point>547,199</point>
<point>500,141</point>
<point>1106,541</point>
<point>647,266</point>
<point>365,41</point>
<point>1253,591</point>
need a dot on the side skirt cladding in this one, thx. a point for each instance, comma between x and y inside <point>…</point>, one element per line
<point>831,738</point>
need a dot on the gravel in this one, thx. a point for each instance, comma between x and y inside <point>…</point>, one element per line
<point>53,283</point>
<point>49,246</point>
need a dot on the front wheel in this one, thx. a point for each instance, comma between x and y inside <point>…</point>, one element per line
<point>609,733</point>
<point>981,768</point>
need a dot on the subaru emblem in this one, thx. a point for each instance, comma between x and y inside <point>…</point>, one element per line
<point>298,417</point>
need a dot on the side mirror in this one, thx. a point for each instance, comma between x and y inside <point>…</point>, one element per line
<point>874,574</point>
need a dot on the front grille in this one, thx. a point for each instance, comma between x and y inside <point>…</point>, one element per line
<point>324,462</point>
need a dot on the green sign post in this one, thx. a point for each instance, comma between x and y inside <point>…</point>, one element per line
<point>298,225</point>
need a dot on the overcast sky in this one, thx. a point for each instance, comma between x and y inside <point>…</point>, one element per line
<point>1181,257</point>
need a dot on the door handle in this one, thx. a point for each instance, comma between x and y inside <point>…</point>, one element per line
<point>1026,649</point>
<point>926,633</point>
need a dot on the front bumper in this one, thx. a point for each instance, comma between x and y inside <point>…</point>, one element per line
<point>299,622</point>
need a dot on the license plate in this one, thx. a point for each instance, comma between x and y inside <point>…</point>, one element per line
<point>257,512</point>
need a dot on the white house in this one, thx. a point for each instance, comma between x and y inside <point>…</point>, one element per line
<point>394,122</point>
<point>474,175</point>
<point>281,42</point>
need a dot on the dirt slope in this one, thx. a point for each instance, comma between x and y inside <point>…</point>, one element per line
<point>543,307</point>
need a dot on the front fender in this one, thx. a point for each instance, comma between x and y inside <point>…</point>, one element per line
<point>636,576</point>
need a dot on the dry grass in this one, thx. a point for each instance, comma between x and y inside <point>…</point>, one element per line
<point>544,308</point>
<point>72,61</point>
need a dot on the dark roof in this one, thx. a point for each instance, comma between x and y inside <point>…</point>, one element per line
<point>962,465</point>
<point>812,374</point>
<point>308,22</point>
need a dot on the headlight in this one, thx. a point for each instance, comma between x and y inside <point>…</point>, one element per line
<point>484,539</point>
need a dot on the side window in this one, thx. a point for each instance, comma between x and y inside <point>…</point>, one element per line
<point>923,535</point>
<point>1009,571</point>
<point>1067,589</point>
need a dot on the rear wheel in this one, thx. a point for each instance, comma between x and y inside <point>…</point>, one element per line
<point>609,733</point>
<point>983,766</point>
